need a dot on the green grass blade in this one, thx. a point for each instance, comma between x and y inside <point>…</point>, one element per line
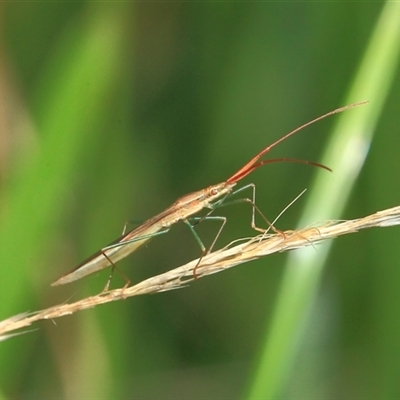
<point>345,154</point>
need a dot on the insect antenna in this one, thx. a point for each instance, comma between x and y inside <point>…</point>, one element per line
<point>253,164</point>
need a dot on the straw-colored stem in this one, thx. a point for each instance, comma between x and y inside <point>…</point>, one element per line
<point>218,261</point>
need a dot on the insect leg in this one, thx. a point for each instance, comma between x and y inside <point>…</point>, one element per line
<point>120,244</point>
<point>136,239</point>
<point>114,267</point>
<point>197,220</point>
<point>254,207</point>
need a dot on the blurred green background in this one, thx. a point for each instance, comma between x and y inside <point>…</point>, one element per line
<point>111,111</point>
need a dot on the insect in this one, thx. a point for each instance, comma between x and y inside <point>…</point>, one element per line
<point>183,210</point>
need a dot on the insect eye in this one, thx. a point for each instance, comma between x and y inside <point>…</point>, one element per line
<point>213,191</point>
